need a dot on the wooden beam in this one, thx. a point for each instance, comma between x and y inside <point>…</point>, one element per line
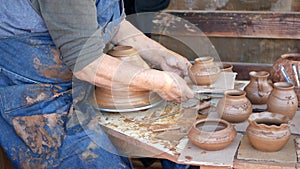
<point>243,69</point>
<point>242,24</point>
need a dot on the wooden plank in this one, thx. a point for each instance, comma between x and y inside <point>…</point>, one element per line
<point>241,164</point>
<point>242,24</point>
<point>135,148</point>
<point>243,69</point>
<point>237,5</point>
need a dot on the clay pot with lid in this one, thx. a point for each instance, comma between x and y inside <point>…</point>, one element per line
<point>204,71</point>
<point>234,107</point>
<point>268,131</point>
<point>212,134</point>
<point>120,97</point>
<point>283,100</point>
<point>258,89</point>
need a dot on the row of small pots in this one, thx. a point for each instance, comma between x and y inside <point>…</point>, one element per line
<point>266,131</point>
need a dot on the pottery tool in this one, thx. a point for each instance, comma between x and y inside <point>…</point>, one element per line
<point>298,71</point>
<point>296,74</point>
<point>285,75</point>
<point>166,129</point>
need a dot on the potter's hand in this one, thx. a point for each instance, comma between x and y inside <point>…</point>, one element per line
<point>156,55</point>
<point>109,72</point>
<point>174,88</point>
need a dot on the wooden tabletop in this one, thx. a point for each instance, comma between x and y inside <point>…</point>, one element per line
<point>161,132</point>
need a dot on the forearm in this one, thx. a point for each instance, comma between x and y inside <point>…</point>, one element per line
<point>128,35</point>
<point>109,72</point>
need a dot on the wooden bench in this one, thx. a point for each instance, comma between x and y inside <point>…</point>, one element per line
<point>249,40</point>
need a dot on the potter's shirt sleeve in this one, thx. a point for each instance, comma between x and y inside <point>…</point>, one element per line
<point>73,26</point>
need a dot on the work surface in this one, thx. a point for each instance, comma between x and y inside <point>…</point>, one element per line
<point>161,132</point>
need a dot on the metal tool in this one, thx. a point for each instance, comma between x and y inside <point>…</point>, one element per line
<point>285,75</point>
<point>296,74</point>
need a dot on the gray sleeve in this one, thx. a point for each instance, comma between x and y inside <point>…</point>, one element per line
<point>74,29</point>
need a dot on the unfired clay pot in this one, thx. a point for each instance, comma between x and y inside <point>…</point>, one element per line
<point>268,131</point>
<point>212,134</point>
<point>119,97</point>
<point>204,71</point>
<point>234,107</point>
<point>258,89</point>
<point>283,99</point>
<point>286,61</point>
<point>225,67</point>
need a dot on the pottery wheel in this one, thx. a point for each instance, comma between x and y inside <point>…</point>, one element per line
<point>130,109</point>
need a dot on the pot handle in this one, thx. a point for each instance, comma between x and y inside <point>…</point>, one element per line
<point>261,88</point>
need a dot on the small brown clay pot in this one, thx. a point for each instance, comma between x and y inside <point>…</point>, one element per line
<point>234,107</point>
<point>225,67</point>
<point>212,134</point>
<point>285,60</point>
<point>128,54</point>
<point>204,71</point>
<point>258,89</point>
<point>268,131</point>
<point>283,99</point>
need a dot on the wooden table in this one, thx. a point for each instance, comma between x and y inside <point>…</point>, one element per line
<point>145,134</point>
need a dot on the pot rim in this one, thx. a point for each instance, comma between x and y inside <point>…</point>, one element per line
<point>284,120</point>
<point>287,55</point>
<point>283,85</point>
<point>227,125</point>
<point>121,51</point>
<point>204,59</point>
<point>259,73</point>
<point>237,92</point>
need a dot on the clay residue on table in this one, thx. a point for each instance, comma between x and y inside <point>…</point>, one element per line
<point>144,125</point>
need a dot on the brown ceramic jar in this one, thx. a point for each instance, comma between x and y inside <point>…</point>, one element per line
<point>268,131</point>
<point>204,71</point>
<point>225,67</point>
<point>212,134</point>
<point>283,99</point>
<point>120,97</point>
<point>286,61</point>
<point>258,89</point>
<point>234,107</point>
<point>128,54</point>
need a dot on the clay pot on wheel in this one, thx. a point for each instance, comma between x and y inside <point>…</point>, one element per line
<point>212,134</point>
<point>283,99</point>
<point>268,131</point>
<point>234,107</point>
<point>204,71</point>
<point>119,96</point>
<point>258,89</point>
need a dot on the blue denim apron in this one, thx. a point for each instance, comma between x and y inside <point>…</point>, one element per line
<point>40,102</point>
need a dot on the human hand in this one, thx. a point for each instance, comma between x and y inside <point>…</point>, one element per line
<point>156,55</point>
<point>109,72</point>
<point>162,58</point>
<point>170,86</point>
